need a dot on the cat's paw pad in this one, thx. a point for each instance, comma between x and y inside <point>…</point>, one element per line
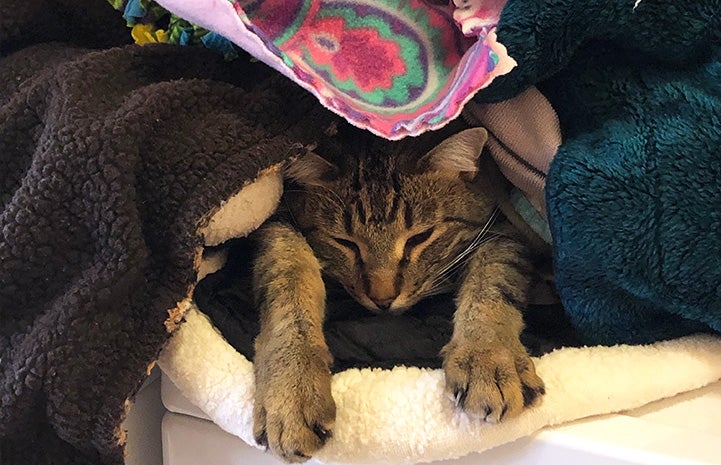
<point>294,413</point>
<point>491,381</point>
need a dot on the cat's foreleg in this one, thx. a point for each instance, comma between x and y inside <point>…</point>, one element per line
<point>488,371</point>
<point>294,410</point>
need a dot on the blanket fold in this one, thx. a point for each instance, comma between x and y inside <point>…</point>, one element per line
<point>633,192</point>
<point>395,68</point>
<point>634,197</point>
<point>113,161</point>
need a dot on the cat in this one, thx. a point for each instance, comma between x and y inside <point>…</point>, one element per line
<point>393,223</point>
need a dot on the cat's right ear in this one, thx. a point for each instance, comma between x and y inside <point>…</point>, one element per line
<point>458,155</point>
<point>311,170</point>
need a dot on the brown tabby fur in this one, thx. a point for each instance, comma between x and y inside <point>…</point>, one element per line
<point>391,227</point>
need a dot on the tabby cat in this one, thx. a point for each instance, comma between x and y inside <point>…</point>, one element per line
<point>392,227</point>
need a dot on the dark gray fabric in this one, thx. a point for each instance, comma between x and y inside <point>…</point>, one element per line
<point>111,161</point>
<point>357,338</point>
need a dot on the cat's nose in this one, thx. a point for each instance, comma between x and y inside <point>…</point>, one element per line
<point>384,304</point>
<point>381,288</point>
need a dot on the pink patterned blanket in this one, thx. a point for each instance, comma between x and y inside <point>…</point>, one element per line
<point>395,67</point>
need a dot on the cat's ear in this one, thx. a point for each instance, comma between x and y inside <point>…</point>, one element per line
<point>457,155</point>
<point>311,170</point>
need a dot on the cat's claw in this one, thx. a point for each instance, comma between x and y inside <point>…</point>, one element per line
<point>488,411</point>
<point>490,382</point>
<point>530,394</point>
<point>294,411</point>
<point>262,439</point>
<point>459,398</point>
<point>322,433</point>
<point>301,455</point>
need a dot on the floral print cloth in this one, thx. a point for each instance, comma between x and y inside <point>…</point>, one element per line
<point>394,67</point>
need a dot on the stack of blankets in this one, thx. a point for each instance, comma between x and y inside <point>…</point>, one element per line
<point>116,156</point>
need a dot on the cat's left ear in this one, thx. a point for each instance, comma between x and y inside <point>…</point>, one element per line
<point>311,170</point>
<point>457,155</point>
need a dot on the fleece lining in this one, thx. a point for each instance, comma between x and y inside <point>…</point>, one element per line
<point>402,415</point>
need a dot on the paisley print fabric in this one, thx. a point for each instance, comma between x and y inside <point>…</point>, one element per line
<point>394,67</point>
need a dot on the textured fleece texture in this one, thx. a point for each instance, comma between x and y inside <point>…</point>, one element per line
<point>403,416</point>
<point>544,36</point>
<point>633,194</point>
<point>112,160</point>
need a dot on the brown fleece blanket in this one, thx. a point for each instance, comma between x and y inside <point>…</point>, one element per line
<point>112,160</point>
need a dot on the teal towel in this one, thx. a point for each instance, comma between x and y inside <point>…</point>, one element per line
<point>634,193</point>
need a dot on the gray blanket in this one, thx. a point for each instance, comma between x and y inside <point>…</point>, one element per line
<point>112,160</point>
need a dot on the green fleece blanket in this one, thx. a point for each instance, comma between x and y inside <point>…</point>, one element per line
<point>634,193</point>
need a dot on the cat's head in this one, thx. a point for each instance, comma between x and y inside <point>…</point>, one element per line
<point>391,227</point>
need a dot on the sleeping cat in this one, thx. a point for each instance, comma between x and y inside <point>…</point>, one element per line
<point>393,223</point>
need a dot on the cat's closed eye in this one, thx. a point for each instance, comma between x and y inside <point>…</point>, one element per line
<point>349,245</point>
<point>416,240</point>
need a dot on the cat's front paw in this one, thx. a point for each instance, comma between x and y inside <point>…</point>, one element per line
<point>294,410</point>
<point>491,381</point>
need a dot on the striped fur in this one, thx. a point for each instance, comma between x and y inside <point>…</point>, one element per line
<point>393,228</point>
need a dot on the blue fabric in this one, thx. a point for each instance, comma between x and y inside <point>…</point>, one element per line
<point>186,37</point>
<point>134,10</point>
<point>217,42</point>
<point>530,215</point>
<point>634,193</point>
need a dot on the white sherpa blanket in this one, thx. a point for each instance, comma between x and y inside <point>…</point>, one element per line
<point>402,416</point>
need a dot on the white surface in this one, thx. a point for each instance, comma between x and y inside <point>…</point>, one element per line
<point>174,400</point>
<point>698,410</point>
<point>682,430</point>
<point>143,424</point>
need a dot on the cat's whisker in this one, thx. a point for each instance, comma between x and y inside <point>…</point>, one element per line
<point>446,287</point>
<point>459,262</point>
<point>462,258</point>
<point>481,234</point>
<point>340,204</point>
<point>473,245</point>
<point>341,201</point>
<point>290,212</point>
<point>467,254</point>
<point>323,196</point>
